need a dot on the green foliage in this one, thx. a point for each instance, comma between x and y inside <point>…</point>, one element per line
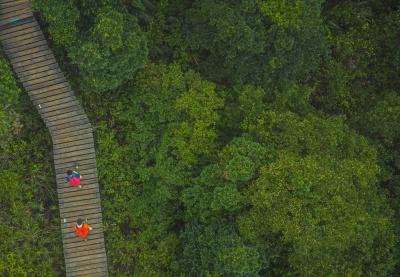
<point>327,211</point>
<point>62,17</point>
<point>242,42</point>
<point>237,150</point>
<point>30,239</point>
<point>216,250</point>
<point>381,125</point>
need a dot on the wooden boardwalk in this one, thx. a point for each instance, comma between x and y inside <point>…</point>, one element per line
<point>71,132</point>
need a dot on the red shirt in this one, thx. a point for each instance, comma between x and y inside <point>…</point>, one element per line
<point>75,181</point>
<point>83,231</point>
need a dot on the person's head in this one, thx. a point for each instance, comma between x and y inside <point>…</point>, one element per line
<point>79,223</point>
<point>69,172</point>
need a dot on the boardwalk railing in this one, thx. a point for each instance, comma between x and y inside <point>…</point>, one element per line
<point>70,129</point>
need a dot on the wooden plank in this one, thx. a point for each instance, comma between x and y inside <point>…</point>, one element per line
<point>35,73</point>
<point>73,155</point>
<point>73,148</point>
<point>78,119</point>
<point>77,132</point>
<point>28,23</point>
<point>91,179</point>
<point>86,259</point>
<point>67,117</point>
<point>72,216</point>
<point>18,30</point>
<point>72,138</point>
<point>47,64</point>
<point>91,218</point>
<point>15,14</point>
<point>71,163</point>
<point>24,64</point>
<point>94,216</point>
<point>18,49</point>
<point>67,145</point>
<point>86,189</point>
<point>21,16</point>
<point>63,108</point>
<point>66,188</point>
<point>93,249</point>
<point>29,56</point>
<point>77,254</point>
<point>16,6</point>
<point>59,103</point>
<point>60,79</point>
<point>48,76</point>
<point>14,46</point>
<point>85,267</point>
<point>49,88</point>
<point>80,197</point>
<point>28,38</point>
<point>53,95</point>
<point>81,208</point>
<point>88,186</point>
<point>97,272</point>
<point>11,3</point>
<point>27,49</point>
<point>86,174</point>
<point>84,164</point>
<point>80,203</point>
<point>71,124</point>
<point>63,188</point>
<point>80,264</point>
<point>70,252</point>
<point>73,242</point>
<point>22,30</point>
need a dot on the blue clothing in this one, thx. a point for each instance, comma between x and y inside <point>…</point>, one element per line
<point>74,174</point>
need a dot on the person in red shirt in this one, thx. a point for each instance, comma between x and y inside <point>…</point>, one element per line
<point>82,228</point>
<point>74,177</point>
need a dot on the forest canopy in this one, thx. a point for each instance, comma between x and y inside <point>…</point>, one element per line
<point>233,138</point>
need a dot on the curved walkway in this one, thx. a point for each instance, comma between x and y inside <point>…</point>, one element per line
<point>70,129</point>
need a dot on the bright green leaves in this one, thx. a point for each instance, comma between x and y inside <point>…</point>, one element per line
<point>112,53</point>
<point>62,16</point>
<point>285,13</point>
<point>310,135</point>
<point>216,250</point>
<point>240,168</point>
<point>108,28</point>
<point>195,136</point>
<point>9,91</point>
<point>190,127</point>
<point>226,198</point>
<point>329,211</point>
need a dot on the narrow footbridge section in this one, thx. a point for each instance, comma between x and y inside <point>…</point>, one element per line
<point>33,62</point>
